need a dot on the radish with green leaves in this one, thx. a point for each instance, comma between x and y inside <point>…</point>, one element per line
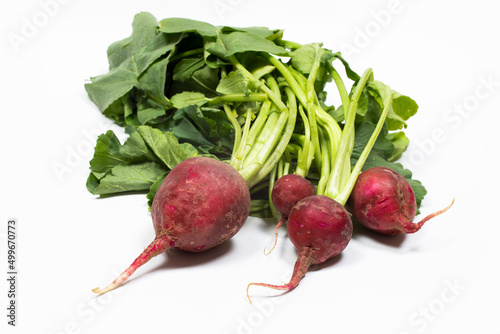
<point>203,201</point>
<point>185,88</point>
<point>319,226</point>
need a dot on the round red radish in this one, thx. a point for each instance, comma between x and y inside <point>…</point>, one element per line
<point>320,228</point>
<point>287,191</point>
<point>383,201</point>
<point>201,203</point>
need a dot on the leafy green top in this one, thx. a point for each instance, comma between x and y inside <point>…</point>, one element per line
<point>183,88</point>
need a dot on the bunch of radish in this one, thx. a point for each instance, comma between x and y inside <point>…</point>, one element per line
<point>318,224</point>
<point>317,165</point>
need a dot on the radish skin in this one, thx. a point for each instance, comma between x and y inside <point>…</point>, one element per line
<point>287,191</point>
<point>383,201</point>
<point>201,203</point>
<point>320,228</point>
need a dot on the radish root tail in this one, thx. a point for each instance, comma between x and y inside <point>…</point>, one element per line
<point>289,286</point>
<point>158,246</point>
<point>280,223</point>
<point>412,228</point>
<point>303,263</point>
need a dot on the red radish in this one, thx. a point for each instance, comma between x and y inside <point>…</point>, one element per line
<point>201,203</point>
<point>382,200</point>
<point>287,191</point>
<point>319,228</point>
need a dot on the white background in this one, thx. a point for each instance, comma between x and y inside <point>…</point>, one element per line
<point>444,54</point>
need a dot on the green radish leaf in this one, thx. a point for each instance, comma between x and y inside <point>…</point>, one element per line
<point>105,89</point>
<point>262,32</point>
<point>228,44</point>
<point>181,25</point>
<point>186,99</point>
<point>204,81</point>
<point>157,49</point>
<point>137,163</point>
<point>128,60</point>
<point>235,83</point>
<point>154,189</point>
<point>402,108</point>
<point>144,30</point>
<point>208,129</point>
<point>125,178</point>
<point>147,116</point>
<point>110,153</point>
<point>303,57</point>
<point>152,84</point>
<point>349,72</point>
<point>400,142</point>
<point>383,147</point>
<point>186,67</point>
<point>166,146</point>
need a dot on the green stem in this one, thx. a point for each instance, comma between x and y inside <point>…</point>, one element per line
<point>259,187</point>
<point>344,94</point>
<point>290,79</point>
<point>258,161</point>
<point>303,99</point>
<point>331,126</point>
<point>258,206</point>
<point>343,196</point>
<point>236,159</point>
<point>262,141</point>
<point>324,169</point>
<point>288,44</point>
<point>280,172</point>
<point>236,126</point>
<point>272,181</point>
<point>275,98</point>
<point>255,97</point>
<point>303,164</point>
<point>283,140</point>
<point>258,126</point>
<point>272,84</point>
<point>313,74</point>
<point>293,149</point>
<point>345,147</point>
<point>313,126</point>
<point>187,53</point>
